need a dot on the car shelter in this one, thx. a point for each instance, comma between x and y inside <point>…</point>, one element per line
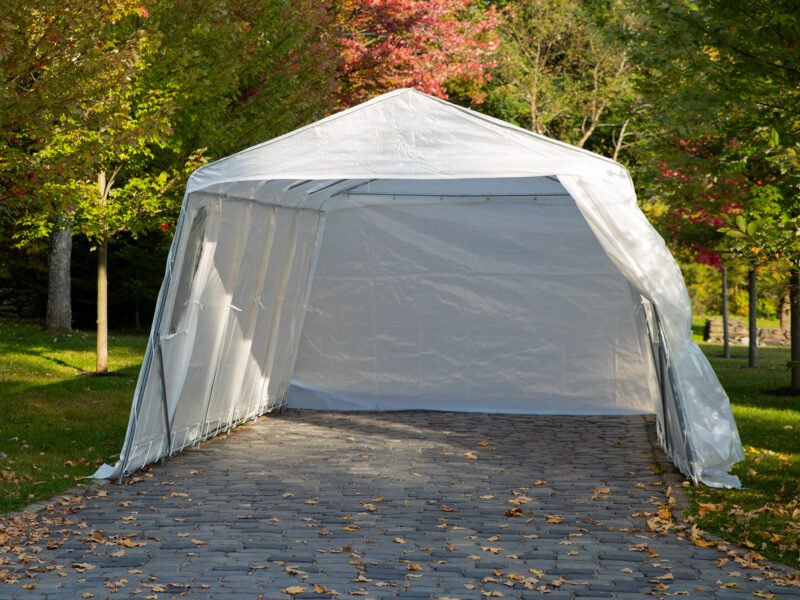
<point>410,254</point>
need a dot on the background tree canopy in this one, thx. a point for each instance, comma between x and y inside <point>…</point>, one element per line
<point>107,106</point>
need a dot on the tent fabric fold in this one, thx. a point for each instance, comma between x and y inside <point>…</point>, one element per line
<point>408,253</point>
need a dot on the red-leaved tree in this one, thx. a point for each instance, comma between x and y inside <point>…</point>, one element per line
<point>440,47</point>
<point>701,192</point>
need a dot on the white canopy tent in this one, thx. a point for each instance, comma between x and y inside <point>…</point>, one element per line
<point>412,254</point>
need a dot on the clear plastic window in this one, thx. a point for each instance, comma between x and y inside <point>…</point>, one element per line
<point>191,262</point>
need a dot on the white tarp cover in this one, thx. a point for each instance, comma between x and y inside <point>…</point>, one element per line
<point>411,254</point>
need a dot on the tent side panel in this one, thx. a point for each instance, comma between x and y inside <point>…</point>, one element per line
<point>211,295</point>
<point>609,207</point>
<point>239,369</point>
<point>144,434</point>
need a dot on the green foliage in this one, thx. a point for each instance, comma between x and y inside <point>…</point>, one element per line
<point>707,80</point>
<point>704,283</point>
<point>564,74</point>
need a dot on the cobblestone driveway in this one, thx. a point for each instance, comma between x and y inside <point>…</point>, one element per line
<point>414,505</point>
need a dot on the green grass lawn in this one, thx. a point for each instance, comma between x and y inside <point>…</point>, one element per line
<point>57,424</point>
<point>765,514</point>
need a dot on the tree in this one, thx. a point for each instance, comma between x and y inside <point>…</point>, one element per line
<point>436,46</point>
<point>52,57</point>
<point>689,199</point>
<point>564,73</point>
<point>709,78</point>
<point>245,71</point>
<point>183,85</point>
<point>111,130</point>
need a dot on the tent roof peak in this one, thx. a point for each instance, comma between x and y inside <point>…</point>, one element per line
<point>404,134</point>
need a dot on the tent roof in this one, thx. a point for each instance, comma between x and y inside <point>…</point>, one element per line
<point>405,134</point>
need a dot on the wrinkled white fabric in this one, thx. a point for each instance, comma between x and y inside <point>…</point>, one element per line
<point>464,218</point>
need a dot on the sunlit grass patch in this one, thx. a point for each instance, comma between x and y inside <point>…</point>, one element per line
<point>765,514</point>
<point>58,423</point>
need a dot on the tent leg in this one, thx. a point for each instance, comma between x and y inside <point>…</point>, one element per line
<point>164,401</point>
<point>662,385</point>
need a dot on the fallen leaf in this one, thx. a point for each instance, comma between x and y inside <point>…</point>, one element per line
<point>554,518</point>
<point>483,443</point>
<point>519,500</point>
<point>413,567</point>
<point>293,590</point>
<point>763,594</point>
<point>470,455</point>
<point>399,540</point>
<point>81,567</point>
<point>540,482</point>
<point>321,589</point>
<point>199,542</point>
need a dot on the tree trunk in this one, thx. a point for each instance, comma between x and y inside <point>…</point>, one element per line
<point>59,300</point>
<point>752,354</point>
<point>102,308</point>
<point>794,295</point>
<point>726,339</point>
<point>102,289</point>
<point>785,310</point>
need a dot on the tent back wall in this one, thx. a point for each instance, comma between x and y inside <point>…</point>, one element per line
<point>442,301</point>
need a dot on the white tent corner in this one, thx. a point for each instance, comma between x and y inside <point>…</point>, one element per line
<point>411,254</point>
